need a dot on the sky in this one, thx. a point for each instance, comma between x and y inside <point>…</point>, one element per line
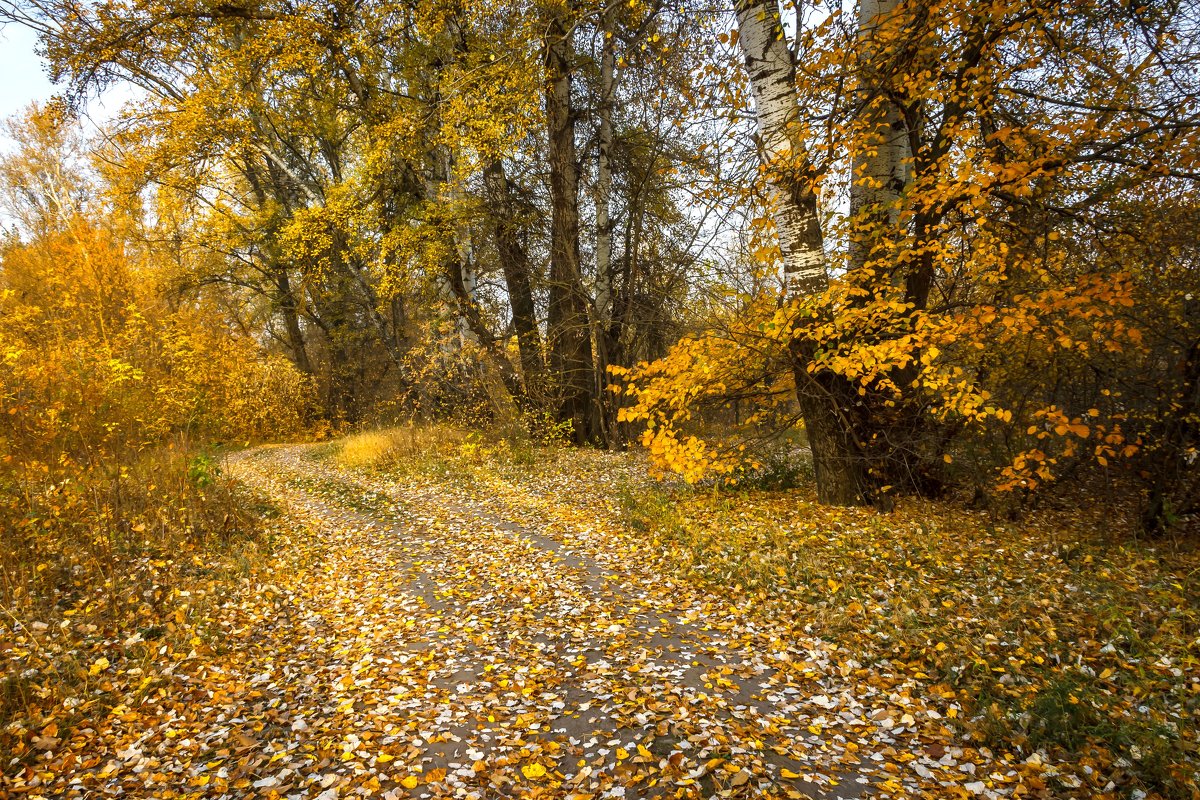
<point>23,80</point>
<point>24,73</point>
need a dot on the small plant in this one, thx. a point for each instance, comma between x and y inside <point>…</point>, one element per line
<point>107,548</point>
<point>545,431</point>
<point>781,468</point>
<point>472,448</point>
<point>203,470</point>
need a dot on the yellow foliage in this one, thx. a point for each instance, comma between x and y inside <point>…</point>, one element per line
<point>389,446</point>
<point>94,364</point>
<point>891,354</point>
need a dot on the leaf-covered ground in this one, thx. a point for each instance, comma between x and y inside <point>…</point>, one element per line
<point>1058,638</point>
<point>490,632</point>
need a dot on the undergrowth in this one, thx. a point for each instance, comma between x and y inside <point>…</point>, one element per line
<point>444,449</point>
<point>109,575</point>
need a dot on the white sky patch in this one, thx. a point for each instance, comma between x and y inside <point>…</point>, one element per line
<point>26,80</point>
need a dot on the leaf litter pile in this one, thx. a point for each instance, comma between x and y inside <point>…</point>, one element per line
<point>493,633</point>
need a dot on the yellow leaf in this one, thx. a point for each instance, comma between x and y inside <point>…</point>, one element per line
<point>98,666</point>
<point>532,771</point>
<point>622,754</point>
<point>411,782</point>
<point>787,773</point>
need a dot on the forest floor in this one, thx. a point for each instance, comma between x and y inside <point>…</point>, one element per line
<point>479,627</point>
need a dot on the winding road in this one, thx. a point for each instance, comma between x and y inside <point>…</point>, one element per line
<point>458,643</point>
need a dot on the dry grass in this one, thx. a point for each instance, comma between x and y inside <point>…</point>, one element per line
<point>99,559</point>
<point>407,446</point>
<point>441,448</point>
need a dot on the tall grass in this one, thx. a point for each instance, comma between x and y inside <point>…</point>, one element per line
<point>441,448</point>
<point>407,446</point>
<point>92,557</point>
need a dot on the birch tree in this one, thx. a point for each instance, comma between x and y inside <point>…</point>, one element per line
<point>824,397</point>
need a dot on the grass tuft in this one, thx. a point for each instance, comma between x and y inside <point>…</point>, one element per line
<point>407,447</point>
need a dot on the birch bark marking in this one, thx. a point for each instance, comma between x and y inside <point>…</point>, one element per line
<point>824,396</point>
<point>603,305</point>
<point>608,83</point>
<point>882,164</point>
<point>794,203</point>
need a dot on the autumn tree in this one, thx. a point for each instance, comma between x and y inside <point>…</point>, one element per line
<point>376,166</point>
<point>96,362</point>
<point>980,154</point>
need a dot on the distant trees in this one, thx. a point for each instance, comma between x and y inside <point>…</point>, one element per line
<point>983,214</point>
<point>419,204</point>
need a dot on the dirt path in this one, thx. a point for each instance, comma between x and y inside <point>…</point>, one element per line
<point>450,648</point>
<point>486,633</point>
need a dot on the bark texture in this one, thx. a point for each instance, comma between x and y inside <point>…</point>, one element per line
<point>568,325</point>
<point>824,397</point>
<point>518,275</point>
<point>882,164</point>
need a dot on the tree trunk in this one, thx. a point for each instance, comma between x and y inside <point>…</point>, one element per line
<point>882,163</point>
<point>286,298</point>
<point>1173,483</point>
<point>518,276</point>
<point>604,228</point>
<point>291,321</point>
<point>476,330</point>
<point>568,326</point>
<point>604,178</point>
<point>822,395</point>
<point>825,398</point>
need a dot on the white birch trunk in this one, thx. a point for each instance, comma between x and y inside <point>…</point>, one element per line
<point>608,83</point>
<point>777,110</point>
<point>882,163</point>
<point>821,395</point>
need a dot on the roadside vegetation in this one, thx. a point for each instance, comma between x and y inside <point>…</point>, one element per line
<point>119,532</point>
